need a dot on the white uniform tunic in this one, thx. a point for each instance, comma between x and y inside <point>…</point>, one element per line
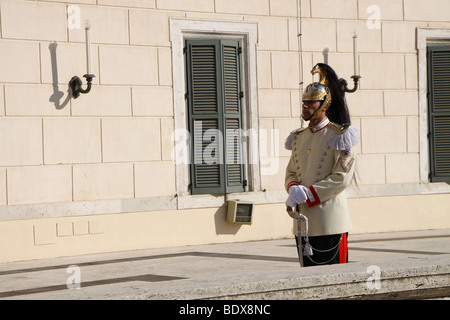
<point>323,160</point>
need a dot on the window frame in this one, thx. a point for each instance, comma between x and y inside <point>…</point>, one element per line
<point>247,33</point>
<point>427,36</point>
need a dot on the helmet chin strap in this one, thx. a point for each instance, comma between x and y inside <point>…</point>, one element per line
<point>317,111</point>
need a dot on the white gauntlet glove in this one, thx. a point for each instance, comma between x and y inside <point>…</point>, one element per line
<point>297,195</point>
<point>290,202</point>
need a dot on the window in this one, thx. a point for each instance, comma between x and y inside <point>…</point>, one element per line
<point>214,116</point>
<point>438,63</point>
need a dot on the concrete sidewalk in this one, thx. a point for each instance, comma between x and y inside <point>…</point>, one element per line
<point>400,265</point>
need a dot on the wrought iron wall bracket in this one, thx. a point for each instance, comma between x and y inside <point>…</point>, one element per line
<point>75,84</point>
<point>355,84</point>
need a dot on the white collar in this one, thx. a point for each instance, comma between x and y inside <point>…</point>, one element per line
<point>322,124</point>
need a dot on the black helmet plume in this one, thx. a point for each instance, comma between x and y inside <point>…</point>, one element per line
<point>337,111</point>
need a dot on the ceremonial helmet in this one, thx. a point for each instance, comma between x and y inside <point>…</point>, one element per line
<point>328,86</point>
<point>318,91</point>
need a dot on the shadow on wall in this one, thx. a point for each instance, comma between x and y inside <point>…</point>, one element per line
<point>57,95</point>
<point>220,220</point>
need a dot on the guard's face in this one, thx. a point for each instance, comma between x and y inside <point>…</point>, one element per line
<point>309,107</point>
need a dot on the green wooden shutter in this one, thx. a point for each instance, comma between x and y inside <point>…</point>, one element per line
<point>214,116</point>
<point>234,160</point>
<point>439,112</point>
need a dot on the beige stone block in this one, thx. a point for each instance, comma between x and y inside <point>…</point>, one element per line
<point>273,33</point>
<point>293,32</point>
<point>318,34</point>
<point>369,40</point>
<point>346,9</point>
<point>61,61</point>
<point>399,213</point>
<point>266,139</point>
<point>20,141</point>
<point>342,64</point>
<point>293,46</point>
<point>264,70</point>
<point>374,69</point>
<point>149,28</point>
<point>103,181</point>
<point>413,134</point>
<point>96,227</point>
<point>155,179</point>
<point>273,173</point>
<point>104,101</point>
<point>72,140</point>
<point>2,99</point>
<point>33,21</point>
<point>74,1</point>
<point>356,122</point>
<point>404,103</point>
<point>186,5</point>
<point>399,36</point>
<point>365,103</point>
<point>108,25</point>
<point>35,100</point>
<point>434,10</point>
<point>445,24</point>
<point>387,9</point>
<point>42,184</point>
<point>80,228</point>
<point>152,101</point>
<point>64,229</point>
<point>288,8</point>
<point>131,139</point>
<point>19,62</point>
<point>390,135</point>
<point>411,71</point>
<point>296,103</point>
<point>370,169</point>
<point>128,65</point>
<point>285,70</point>
<point>294,29</point>
<point>266,124</point>
<point>44,233</point>
<point>165,66</point>
<point>167,138</point>
<point>3,200</point>
<point>285,127</point>
<point>402,168</point>
<point>274,104</point>
<point>211,16</point>
<point>248,7</point>
<point>148,4</point>
<point>306,66</point>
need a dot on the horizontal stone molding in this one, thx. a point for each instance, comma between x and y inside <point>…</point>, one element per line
<point>175,202</point>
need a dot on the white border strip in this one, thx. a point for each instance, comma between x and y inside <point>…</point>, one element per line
<point>85,208</point>
<point>248,32</point>
<point>426,36</point>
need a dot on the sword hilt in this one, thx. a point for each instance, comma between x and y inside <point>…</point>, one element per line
<point>298,216</point>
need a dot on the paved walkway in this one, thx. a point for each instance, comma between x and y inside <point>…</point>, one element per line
<point>400,265</point>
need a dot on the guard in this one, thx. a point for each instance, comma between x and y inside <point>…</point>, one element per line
<point>321,166</point>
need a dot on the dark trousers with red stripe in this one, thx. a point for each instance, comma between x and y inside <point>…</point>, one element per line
<point>326,256</point>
